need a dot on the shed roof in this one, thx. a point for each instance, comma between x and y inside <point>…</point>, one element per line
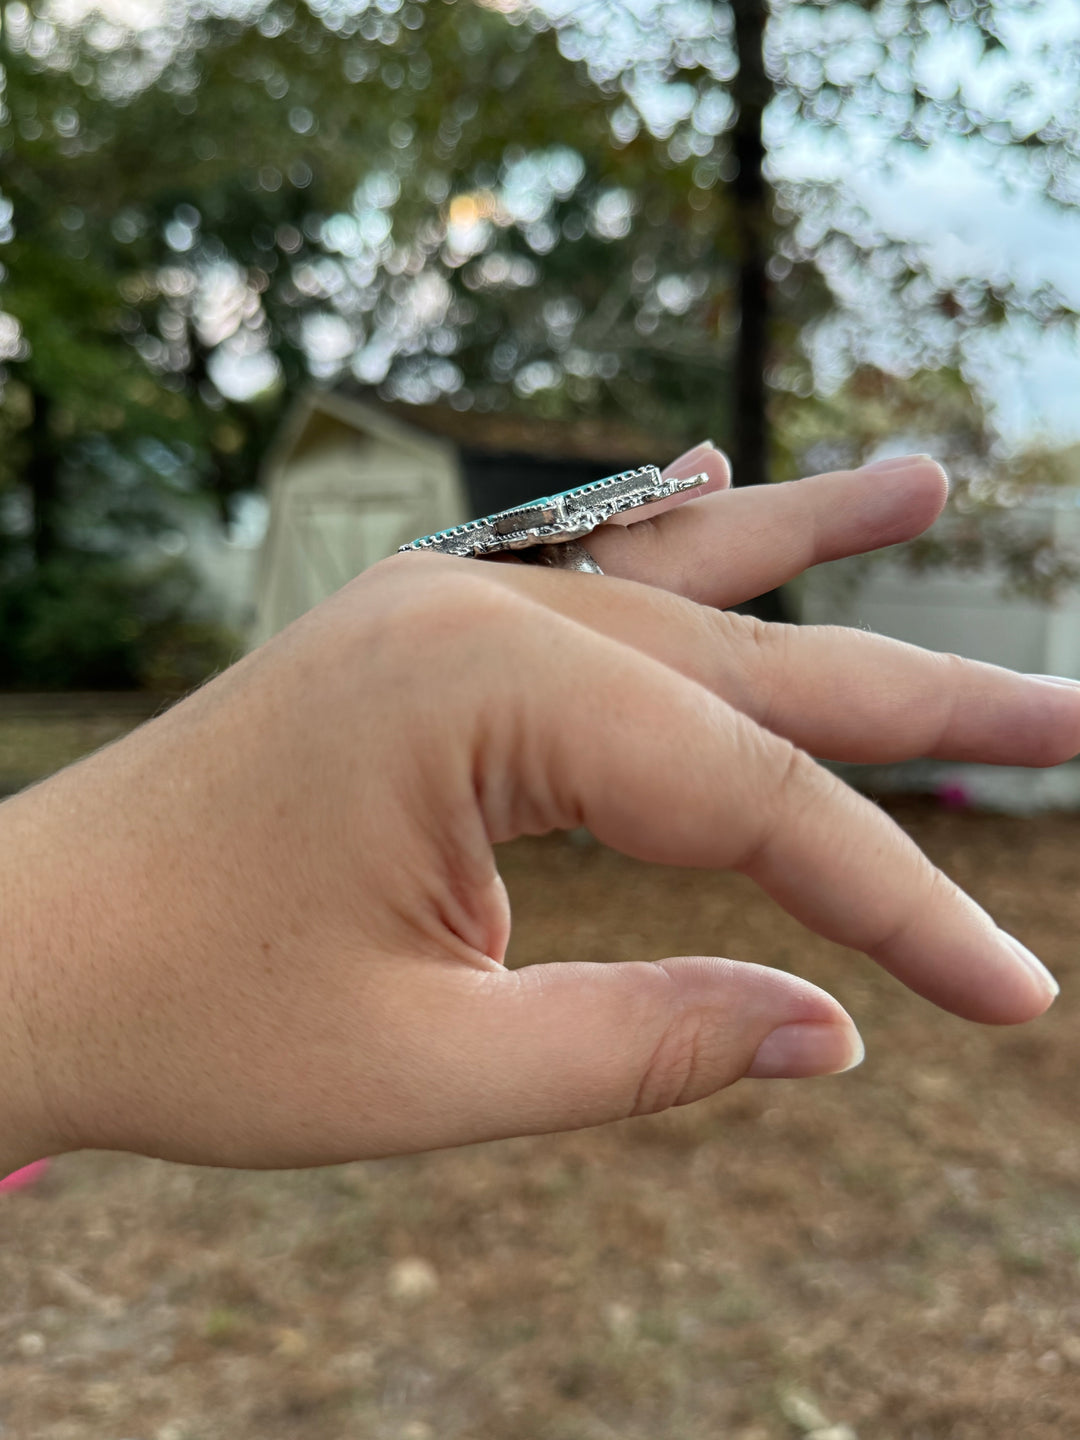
<point>588,438</point>
<point>504,458</point>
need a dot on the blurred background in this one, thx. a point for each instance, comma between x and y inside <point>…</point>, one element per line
<point>284,285</point>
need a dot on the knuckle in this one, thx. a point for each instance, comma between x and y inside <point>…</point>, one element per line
<point>755,634</point>
<point>680,1067</point>
<point>442,599</point>
<point>764,649</point>
<point>953,665</point>
<point>769,638</point>
<point>942,704</point>
<point>835,639</point>
<point>953,673</point>
<point>892,931</point>
<point>418,623</point>
<point>773,765</point>
<point>671,1067</point>
<point>785,786</point>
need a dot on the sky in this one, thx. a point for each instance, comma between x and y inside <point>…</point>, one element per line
<point>966,218</point>
<point>963,216</point>
<point>967,221</point>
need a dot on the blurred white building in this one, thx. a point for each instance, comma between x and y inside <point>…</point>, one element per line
<point>351,478</point>
<point>967,614</point>
<point>347,484</point>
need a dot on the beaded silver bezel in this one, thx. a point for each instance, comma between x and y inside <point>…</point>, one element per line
<point>553,519</point>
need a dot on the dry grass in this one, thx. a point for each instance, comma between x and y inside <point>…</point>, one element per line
<point>41,733</point>
<point>896,1249</point>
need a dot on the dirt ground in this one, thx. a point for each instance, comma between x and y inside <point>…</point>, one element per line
<point>889,1255</point>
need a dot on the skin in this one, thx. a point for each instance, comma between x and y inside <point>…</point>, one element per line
<point>267,928</point>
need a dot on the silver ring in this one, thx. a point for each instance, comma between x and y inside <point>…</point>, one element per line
<point>547,531</point>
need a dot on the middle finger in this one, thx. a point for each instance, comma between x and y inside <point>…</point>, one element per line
<point>839,694</point>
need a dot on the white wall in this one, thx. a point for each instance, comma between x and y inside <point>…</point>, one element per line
<point>967,614</point>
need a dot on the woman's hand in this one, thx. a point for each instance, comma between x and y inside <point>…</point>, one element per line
<point>267,929</point>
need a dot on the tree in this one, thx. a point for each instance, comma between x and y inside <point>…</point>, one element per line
<point>821,92</point>
<point>428,225</point>
<point>567,207</point>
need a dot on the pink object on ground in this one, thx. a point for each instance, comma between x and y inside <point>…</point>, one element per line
<point>28,1175</point>
<point>954,796</point>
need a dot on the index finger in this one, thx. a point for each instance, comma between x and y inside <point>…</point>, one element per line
<point>703,459</point>
<point>727,547</point>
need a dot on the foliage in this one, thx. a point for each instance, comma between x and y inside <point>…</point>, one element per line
<point>985,526</point>
<point>855,90</point>
<point>430,199</point>
<point>126,628</point>
<point>492,202</point>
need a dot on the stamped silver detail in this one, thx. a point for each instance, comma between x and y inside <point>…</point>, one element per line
<point>555,519</point>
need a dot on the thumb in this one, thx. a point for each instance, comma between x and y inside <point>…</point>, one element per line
<point>558,1047</point>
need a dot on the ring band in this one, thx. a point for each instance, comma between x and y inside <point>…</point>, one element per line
<point>570,555</point>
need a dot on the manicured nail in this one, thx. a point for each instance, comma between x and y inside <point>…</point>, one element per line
<point>692,454</point>
<point>897,462</point>
<point>1033,963</point>
<point>1056,680</point>
<point>795,1051</point>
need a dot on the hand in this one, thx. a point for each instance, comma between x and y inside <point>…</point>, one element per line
<point>267,928</point>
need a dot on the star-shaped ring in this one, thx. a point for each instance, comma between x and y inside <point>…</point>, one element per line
<point>547,531</point>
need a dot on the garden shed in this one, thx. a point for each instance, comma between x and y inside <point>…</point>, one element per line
<point>351,477</point>
<point>347,484</point>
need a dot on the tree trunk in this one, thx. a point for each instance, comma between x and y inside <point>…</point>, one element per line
<point>751,92</point>
<point>42,476</point>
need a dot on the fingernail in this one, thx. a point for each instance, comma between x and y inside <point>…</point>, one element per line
<point>795,1051</point>
<point>693,453</point>
<point>1033,963</point>
<point>1056,680</point>
<point>897,462</point>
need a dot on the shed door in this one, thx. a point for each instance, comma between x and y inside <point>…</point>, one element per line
<point>342,510</point>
